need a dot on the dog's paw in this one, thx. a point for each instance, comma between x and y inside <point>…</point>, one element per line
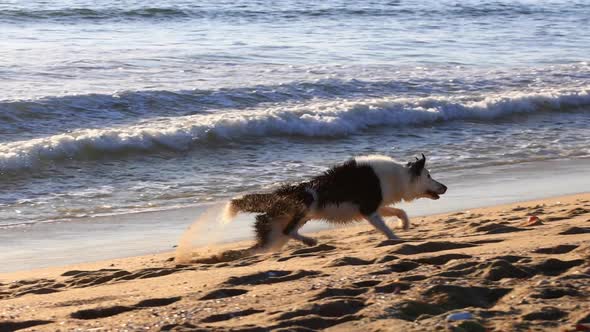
<point>404,224</point>
<point>310,242</point>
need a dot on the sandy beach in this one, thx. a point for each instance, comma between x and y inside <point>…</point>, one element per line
<point>127,126</point>
<point>488,269</point>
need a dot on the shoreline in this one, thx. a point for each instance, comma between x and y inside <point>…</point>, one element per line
<point>369,282</point>
<point>95,239</point>
<point>244,242</point>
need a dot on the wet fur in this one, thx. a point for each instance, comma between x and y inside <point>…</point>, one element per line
<point>361,188</point>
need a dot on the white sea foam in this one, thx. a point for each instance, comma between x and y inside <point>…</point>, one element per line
<point>314,119</point>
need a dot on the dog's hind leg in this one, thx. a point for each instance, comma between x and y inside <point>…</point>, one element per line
<point>308,241</point>
<point>377,222</point>
<point>292,230</point>
<point>263,229</point>
<point>404,221</point>
<point>269,234</point>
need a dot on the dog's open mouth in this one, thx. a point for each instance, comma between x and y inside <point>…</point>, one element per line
<point>432,195</point>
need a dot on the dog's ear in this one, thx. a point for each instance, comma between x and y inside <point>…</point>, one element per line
<point>417,166</point>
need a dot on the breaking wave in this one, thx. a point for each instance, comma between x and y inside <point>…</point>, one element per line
<point>118,108</point>
<point>334,118</point>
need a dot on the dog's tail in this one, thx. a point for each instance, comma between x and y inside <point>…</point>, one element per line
<point>254,203</point>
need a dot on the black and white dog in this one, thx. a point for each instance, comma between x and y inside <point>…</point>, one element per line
<point>361,188</point>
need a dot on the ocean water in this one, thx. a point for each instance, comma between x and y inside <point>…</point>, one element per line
<point>113,107</point>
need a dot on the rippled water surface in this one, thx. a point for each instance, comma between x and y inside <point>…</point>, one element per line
<point>123,106</point>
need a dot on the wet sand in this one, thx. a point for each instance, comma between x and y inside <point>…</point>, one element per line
<point>491,266</point>
<point>117,236</point>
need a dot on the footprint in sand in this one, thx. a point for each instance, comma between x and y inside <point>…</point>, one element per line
<point>414,277</point>
<point>512,258</point>
<point>575,230</point>
<point>498,228</point>
<point>402,265</point>
<point>270,277</point>
<point>365,283</point>
<point>180,327</point>
<point>115,310</point>
<point>14,326</point>
<point>461,266</point>
<point>100,312</point>
<point>559,249</point>
<point>546,313</point>
<point>450,297</point>
<point>307,252</point>
<point>442,259</point>
<point>223,293</point>
<point>150,273</point>
<point>158,302</point>
<point>485,241</point>
<point>316,249</point>
<point>554,267</point>
<point>386,243</point>
<point>512,218</point>
<point>339,292</point>
<point>493,270</point>
<point>247,261</point>
<point>555,292</point>
<point>34,286</point>
<point>41,290</point>
<point>577,212</point>
<point>499,269</point>
<point>229,315</point>
<point>411,310</point>
<point>333,308</point>
<point>386,258</point>
<point>555,218</point>
<point>392,287</point>
<point>311,323</point>
<point>350,261</point>
<point>409,249</point>
<point>82,278</point>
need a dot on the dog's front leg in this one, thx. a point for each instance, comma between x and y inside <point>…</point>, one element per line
<point>399,213</point>
<point>377,222</point>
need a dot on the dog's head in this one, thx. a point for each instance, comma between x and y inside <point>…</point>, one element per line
<point>422,183</point>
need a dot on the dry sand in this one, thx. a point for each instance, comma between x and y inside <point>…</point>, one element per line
<point>507,275</point>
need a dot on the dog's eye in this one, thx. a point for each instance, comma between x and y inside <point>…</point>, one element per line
<point>429,176</point>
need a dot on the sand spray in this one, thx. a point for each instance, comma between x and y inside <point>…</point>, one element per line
<point>206,230</point>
